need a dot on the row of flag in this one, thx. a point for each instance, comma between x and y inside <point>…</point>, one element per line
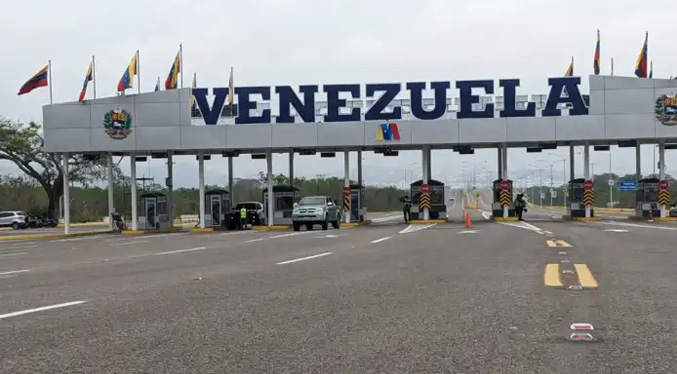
<point>42,77</point>
<point>640,66</point>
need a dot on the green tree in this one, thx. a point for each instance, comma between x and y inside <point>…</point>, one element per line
<point>23,145</point>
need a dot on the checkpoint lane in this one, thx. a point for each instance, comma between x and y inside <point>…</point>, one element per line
<point>636,291</point>
<point>422,301</point>
<point>410,305</point>
<point>170,260</point>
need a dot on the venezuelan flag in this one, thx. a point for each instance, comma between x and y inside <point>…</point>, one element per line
<point>173,78</point>
<point>570,69</point>
<point>192,98</point>
<point>127,80</point>
<point>642,60</point>
<point>38,80</point>
<point>595,63</point>
<point>88,78</point>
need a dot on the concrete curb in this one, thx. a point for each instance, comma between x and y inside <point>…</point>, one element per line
<point>424,222</point>
<point>51,236</point>
<point>505,219</point>
<point>152,231</point>
<point>267,228</point>
<point>583,219</point>
<point>201,230</point>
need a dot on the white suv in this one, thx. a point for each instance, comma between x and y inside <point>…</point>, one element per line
<point>15,219</point>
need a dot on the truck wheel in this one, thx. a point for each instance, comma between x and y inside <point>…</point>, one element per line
<point>296,226</point>
<point>337,223</point>
<point>325,224</point>
<point>15,225</point>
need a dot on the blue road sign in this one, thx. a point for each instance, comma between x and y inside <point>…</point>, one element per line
<point>628,185</point>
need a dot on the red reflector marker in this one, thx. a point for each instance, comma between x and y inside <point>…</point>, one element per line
<point>581,326</point>
<point>581,337</point>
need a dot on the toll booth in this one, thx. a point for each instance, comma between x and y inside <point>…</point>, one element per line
<point>217,203</point>
<point>284,198</point>
<point>153,211</point>
<point>646,198</point>
<point>358,203</point>
<point>438,207</point>
<point>576,190</point>
<point>502,192</point>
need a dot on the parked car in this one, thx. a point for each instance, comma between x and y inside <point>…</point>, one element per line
<point>313,210</point>
<point>14,219</point>
<point>254,211</point>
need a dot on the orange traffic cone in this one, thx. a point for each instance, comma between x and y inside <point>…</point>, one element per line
<point>468,222</point>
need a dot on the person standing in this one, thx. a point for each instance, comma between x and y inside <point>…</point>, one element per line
<point>520,206</point>
<point>243,218</point>
<point>406,209</point>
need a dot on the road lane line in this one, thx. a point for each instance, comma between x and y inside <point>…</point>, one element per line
<point>13,254</point>
<point>551,243</point>
<point>180,251</point>
<point>304,258</point>
<point>381,240</point>
<point>585,277</point>
<point>256,240</point>
<point>49,307</point>
<point>130,243</point>
<point>414,228</point>
<point>15,272</point>
<point>551,276</point>
<point>563,243</point>
<point>7,276</point>
<point>614,223</point>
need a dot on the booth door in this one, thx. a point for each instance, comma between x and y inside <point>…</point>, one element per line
<point>216,210</point>
<point>355,206</point>
<point>151,213</point>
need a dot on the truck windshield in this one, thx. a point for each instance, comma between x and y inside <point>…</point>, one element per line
<point>312,201</point>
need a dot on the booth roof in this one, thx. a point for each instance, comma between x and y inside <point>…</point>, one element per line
<point>281,188</point>
<point>431,182</point>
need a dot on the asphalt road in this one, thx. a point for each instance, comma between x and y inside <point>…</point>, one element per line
<point>7,231</point>
<point>384,298</point>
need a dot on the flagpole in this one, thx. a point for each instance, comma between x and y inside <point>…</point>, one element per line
<point>49,72</point>
<point>94,75</point>
<point>612,66</point>
<point>181,62</point>
<point>138,70</point>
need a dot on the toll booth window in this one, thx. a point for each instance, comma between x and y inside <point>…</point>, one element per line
<point>284,203</point>
<point>578,194</point>
<point>651,196</point>
<point>436,197</point>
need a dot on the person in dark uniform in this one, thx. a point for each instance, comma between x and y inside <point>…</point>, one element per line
<point>406,208</point>
<point>520,206</point>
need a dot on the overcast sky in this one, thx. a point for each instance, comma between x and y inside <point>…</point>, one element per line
<point>294,42</point>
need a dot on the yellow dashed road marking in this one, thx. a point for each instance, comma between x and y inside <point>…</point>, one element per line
<point>557,243</point>
<point>585,277</point>
<point>551,276</point>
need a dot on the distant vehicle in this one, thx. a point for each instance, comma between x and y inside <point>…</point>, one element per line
<point>254,211</point>
<point>15,219</point>
<point>316,210</point>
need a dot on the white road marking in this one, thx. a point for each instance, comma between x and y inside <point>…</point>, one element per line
<point>615,230</point>
<point>130,243</point>
<point>77,239</point>
<point>15,272</point>
<point>613,223</point>
<point>180,251</point>
<point>468,232</point>
<point>256,240</point>
<point>304,258</point>
<point>13,254</point>
<point>7,276</point>
<point>27,311</point>
<point>290,234</point>
<point>414,228</point>
<point>24,247</point>
<point>22,242</point>
<point>381,240</point>
<point>386,218</point>
<point>329,236</point>
<point>164,235</point>
<point>486,215</point>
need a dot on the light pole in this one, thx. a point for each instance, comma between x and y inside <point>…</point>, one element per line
<point>564,176</point>
<point>551,176</point>
<point>540,184</point>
